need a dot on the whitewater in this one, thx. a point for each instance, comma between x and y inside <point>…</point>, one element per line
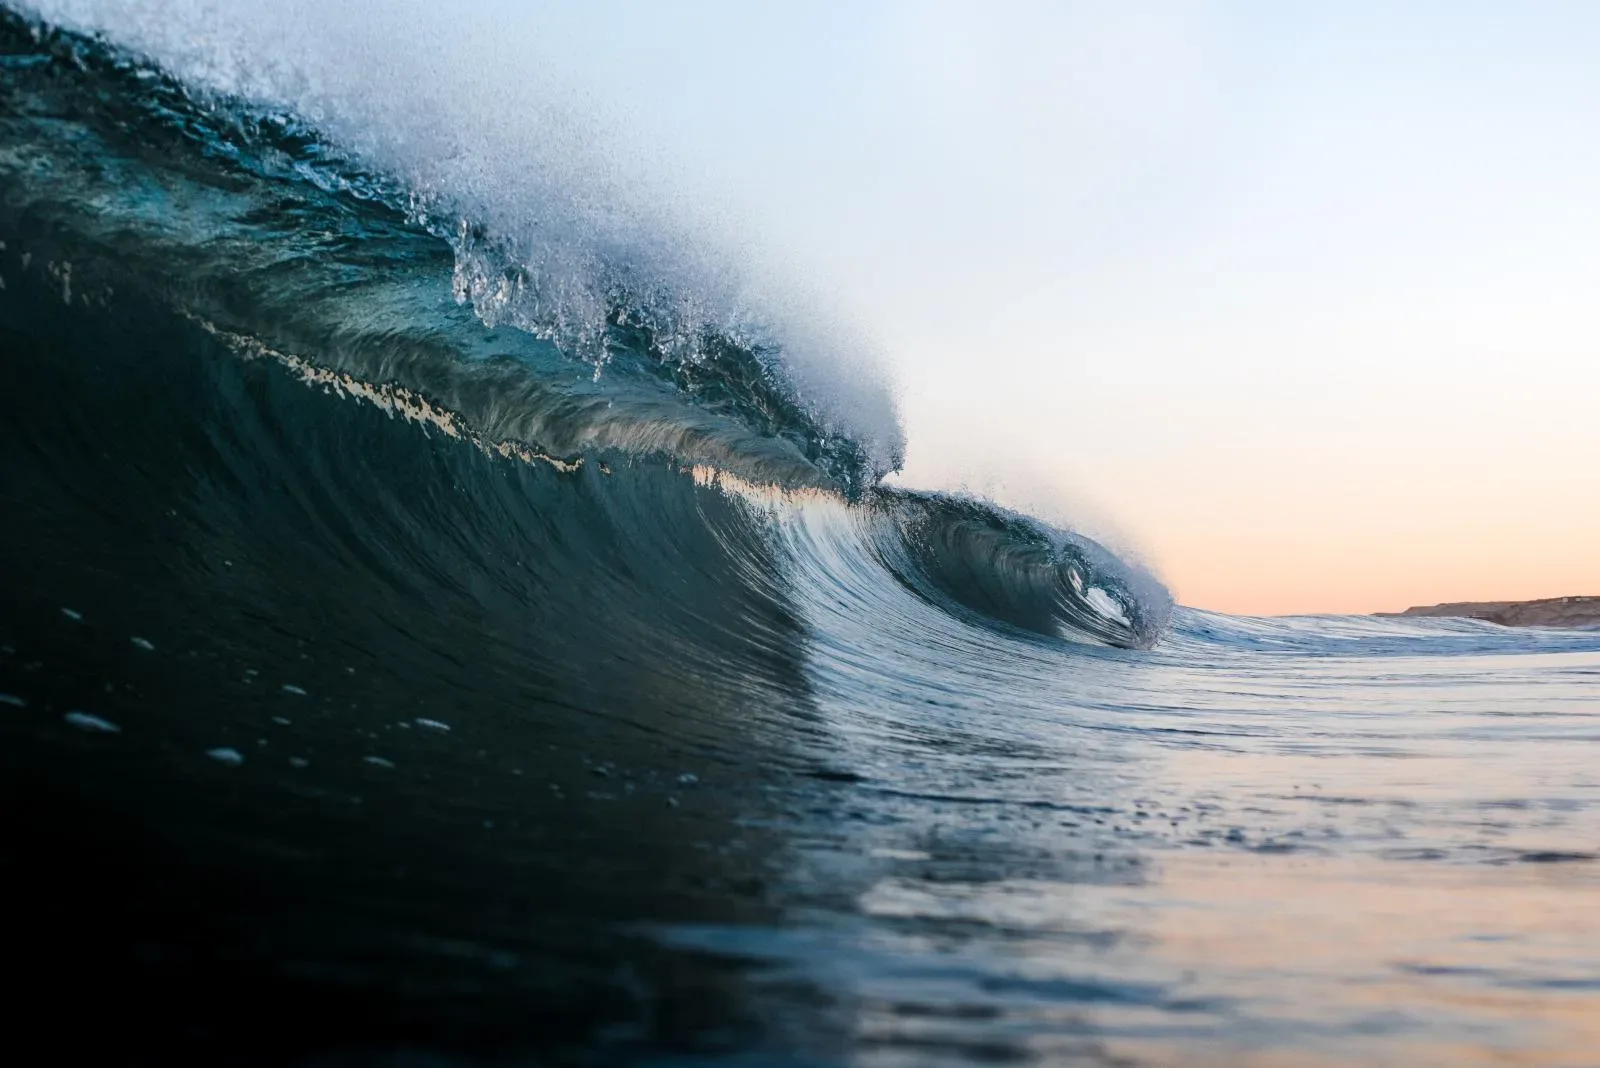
<point>454,613</point>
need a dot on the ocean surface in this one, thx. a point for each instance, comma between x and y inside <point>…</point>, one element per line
<point>446,622</point>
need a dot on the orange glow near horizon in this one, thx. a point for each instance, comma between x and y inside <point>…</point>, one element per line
<point>1306,500</point>
<point>1353,524</point>
<point>1251,576</point>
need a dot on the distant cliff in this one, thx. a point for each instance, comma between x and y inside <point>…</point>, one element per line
<point>1550,612</point>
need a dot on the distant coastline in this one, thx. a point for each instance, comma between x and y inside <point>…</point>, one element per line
<point>1549,612</point>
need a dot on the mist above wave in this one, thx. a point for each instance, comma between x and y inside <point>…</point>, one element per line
<point>562,220</point>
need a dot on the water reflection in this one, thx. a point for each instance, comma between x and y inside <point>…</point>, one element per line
<point>1212,859</point>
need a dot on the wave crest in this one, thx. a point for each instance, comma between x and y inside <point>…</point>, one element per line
<point>552,230</point>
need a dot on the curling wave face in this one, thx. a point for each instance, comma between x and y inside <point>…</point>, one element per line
<point>125,185</point>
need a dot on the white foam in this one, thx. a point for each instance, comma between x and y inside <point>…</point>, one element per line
<point>556,210</point>
<point>1106,605</point>
<point>86,722</point>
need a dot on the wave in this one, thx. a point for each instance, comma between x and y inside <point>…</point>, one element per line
<point>389,674</point>
<point>128,192</point>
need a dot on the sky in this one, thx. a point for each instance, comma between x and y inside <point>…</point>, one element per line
<point>1291,300</point>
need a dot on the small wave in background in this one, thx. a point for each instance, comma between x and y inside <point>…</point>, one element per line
<point>454,611</point>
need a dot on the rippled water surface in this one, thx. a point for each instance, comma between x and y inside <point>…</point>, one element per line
<point>1356,843</point>
<point>386,678</point>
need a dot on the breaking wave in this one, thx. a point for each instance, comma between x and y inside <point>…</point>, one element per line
<point>529,322</point>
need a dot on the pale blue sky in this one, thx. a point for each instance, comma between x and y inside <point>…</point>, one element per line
<point>1275,292</point>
